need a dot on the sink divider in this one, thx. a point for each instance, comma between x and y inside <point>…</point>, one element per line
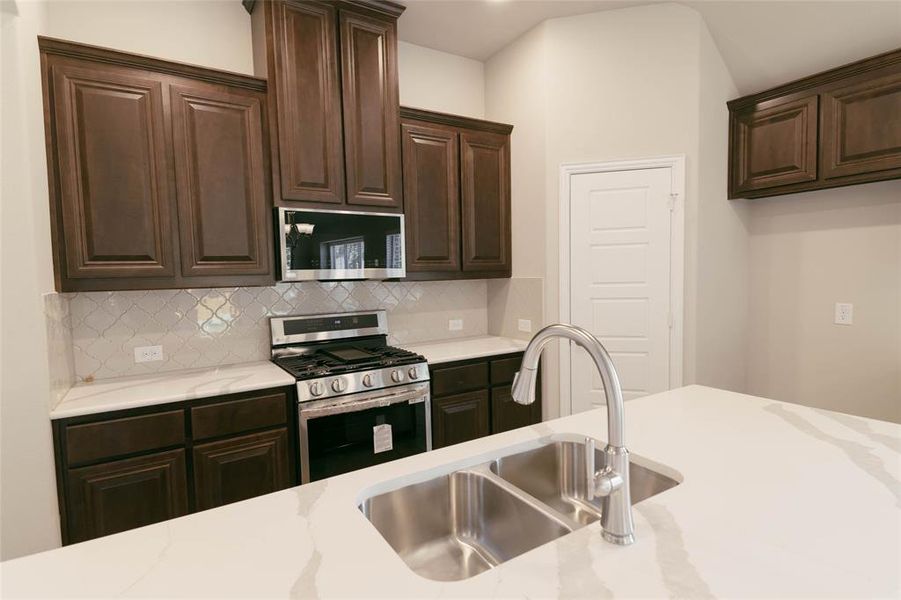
<point>484,470</point>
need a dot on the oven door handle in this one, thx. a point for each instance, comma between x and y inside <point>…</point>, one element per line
<point>414,396</point>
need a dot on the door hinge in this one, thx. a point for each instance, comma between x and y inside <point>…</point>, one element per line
<point>669,319</point>
<point>672,201</point>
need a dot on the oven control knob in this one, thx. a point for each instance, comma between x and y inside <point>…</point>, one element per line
<point>316,388</point>
<point>397,375</point>
<point>367,380</point>
<point>413,372</point>
<point>339,385</point>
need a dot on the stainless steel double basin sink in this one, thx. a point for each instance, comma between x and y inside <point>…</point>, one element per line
<point>458,525</point>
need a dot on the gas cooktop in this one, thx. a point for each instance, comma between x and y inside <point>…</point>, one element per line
<point>342,354</point>
<point>321,362</point>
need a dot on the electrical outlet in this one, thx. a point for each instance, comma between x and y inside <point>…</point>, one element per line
<point>455,325</point>
<point>525,325</point>
<point>844,313</point>
<point>148,354</point>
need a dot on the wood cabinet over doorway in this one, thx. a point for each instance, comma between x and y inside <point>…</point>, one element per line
<point>836,128</point>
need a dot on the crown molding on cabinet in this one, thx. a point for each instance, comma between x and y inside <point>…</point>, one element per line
<point>431,116</point>
<point>59,47</point>
<point>385,7</point>
<point>823,78</point>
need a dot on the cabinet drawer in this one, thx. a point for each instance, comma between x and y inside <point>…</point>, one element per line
<point>503,370</point>
<point>108,439</point>
<point>452,380</point>
<point>244,414</point>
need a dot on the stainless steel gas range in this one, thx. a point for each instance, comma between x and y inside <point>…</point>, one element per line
<point>360,402</point>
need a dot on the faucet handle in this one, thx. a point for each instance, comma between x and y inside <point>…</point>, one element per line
<point>590,469</point>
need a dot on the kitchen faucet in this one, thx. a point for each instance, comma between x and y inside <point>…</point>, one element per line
<point>611,482</point>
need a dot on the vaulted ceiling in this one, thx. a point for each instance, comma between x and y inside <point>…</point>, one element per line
<point>763,43</point>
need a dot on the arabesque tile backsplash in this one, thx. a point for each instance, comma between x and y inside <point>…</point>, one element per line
<point>209,327</point>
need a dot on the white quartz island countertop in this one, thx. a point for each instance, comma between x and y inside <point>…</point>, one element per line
<point>776,501</point>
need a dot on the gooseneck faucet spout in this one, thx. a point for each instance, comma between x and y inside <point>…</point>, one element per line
<point>612,481</point>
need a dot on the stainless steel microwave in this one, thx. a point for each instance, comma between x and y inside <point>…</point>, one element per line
<point>335,244</point>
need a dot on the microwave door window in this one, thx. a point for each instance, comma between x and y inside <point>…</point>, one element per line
<point>345,242</point>
<point>394,253</point>
<point>343,254</point>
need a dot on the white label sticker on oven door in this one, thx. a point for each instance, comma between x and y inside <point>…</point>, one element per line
<point>382,440</point>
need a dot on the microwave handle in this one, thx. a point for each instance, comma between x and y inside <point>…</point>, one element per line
<point>413,397</point>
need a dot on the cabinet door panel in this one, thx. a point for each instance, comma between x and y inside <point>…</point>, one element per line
<point>861,127</point>
<point>460,418</point>
<point>371,110</point>
<point>113,185</point>
<point>124,494</point>
<point>431,198</point>
<point>485,177</point>
<point>506,414</point>
<point>308,101</point>
<point>775,146</point>
<point>221,182</point>
<point>239,468</point>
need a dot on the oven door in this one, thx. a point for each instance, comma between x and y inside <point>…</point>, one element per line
<point>325,244</point>
<point>360,430</point>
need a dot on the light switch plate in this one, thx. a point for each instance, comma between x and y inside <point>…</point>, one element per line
<point>525,325</point>
<point>455,325</point>
<point>148,354</point>
<point>844,313</point>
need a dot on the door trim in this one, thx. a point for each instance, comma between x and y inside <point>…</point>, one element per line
<point>676,164</point>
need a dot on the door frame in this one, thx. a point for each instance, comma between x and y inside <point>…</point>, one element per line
<point>676,164</point>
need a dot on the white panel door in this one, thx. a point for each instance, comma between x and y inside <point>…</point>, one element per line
<point>620,279</point>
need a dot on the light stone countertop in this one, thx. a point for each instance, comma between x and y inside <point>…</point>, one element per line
<point>466,348</point>
<point>169,386</point>
<point>777,500</point>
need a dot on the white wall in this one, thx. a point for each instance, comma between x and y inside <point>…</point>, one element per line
<point>720,249</point>
<point>615,85</point>
<point>440,81</point>
<point>28,513</point>
<point>516,92</point>
<point>212,33</point>
<point>809,251</point>
<point>215,34</point>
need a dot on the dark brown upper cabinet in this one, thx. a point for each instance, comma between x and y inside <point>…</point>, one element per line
<point>485,189</point>
<point>332,71</point>
<point>114,203</point>
<point>158,172</point>
<point>776,145</point>
<point>456,196</point>
<point>836,128</point>
<point>862,127</point>
<point>431,197</point>
<point>301,59</point>
<point>220,181</point>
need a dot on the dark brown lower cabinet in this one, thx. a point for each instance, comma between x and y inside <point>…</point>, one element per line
<point>125,469</point>
<point>460,418</point>
<point>506,414</point>
<point>124,494</point>
<point>239,468</point>
<point>472,399</point>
